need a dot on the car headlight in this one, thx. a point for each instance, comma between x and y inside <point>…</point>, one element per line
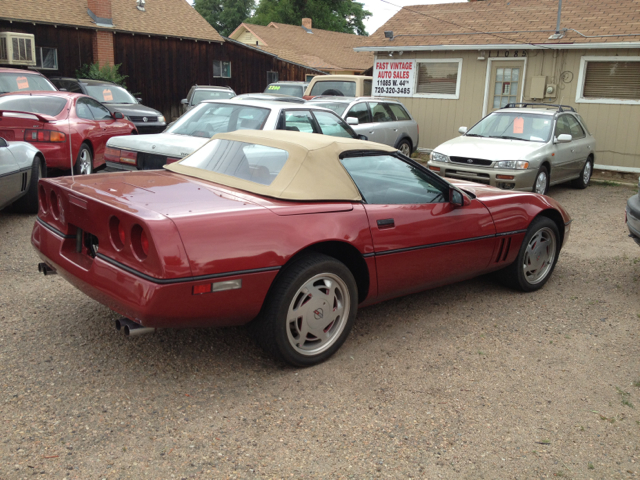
<point>161,119</point>
<point>439,157</point>
<point>514,164</point>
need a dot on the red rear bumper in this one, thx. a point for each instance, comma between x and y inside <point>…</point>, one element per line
<point>152,302</point>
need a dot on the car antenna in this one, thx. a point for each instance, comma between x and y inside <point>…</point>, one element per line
<point>70,151</point>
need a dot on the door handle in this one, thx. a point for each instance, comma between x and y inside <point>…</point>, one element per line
<point>386,223</point>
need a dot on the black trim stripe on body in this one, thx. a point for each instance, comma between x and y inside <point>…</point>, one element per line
<point>163,281</point>
<point>54,229</point>
<point>16,172</point>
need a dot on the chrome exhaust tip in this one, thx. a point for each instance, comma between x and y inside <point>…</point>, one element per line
<point>131,328</point>
<point>46,269</point>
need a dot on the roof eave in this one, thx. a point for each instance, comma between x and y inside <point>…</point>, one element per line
<point>518,46</point>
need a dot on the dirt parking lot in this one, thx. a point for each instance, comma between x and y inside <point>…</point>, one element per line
<point>466,381</point>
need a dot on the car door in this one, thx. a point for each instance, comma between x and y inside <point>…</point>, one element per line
<point>331,124</point>
<point>363,114</point>
<point>85,125</point>
<point>420,239</point>
<point>381,127</point>
<point>580,146</point>
<point>297,121</point>
<point>107,127</point>
<point>12,180</point>
<point>565,155</point>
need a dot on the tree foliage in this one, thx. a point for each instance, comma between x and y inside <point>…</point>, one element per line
<point>107,72</point>
<point>345,16</point>
<point>225,15</point>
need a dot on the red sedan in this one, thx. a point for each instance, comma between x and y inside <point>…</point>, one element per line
<point>70,129</point>
<point>289,231</point>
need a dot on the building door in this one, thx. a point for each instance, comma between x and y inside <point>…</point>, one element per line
<point>506,84</point>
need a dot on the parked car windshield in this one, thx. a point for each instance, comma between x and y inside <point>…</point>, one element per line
<point>343,88</point>
<point>20,82</point>
<point>33,104</point>
<point>294,90</point>
<point>207,119</point>
<point>110,94</point>
<point>529,127</point>
<point>256,163</point>
<point>338,107</point>
<point>210,94</point>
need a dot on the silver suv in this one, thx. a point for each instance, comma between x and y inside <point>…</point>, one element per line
<point>200,93</point>
<point>380,119</point>
<point>521,148</point>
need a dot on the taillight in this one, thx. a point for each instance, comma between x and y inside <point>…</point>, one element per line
<point>139,242</point>
<point>55,206</point>
<point>42,197</point>
<point>120,156</point>
<point>172,160</point>
<point>117,233</point>
<point>44,136</point>
<point>144,243</point>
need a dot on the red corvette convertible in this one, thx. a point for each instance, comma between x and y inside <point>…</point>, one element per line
<point>52,120</point>
<point>289,231</point>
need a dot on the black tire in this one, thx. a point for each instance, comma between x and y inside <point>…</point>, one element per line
<point>522,274</point>
<point>541,172</point>
<point>84,161</point>
<point>28,203</point>
<point>582,182</point>
<point>277,336</point>
<point>405,147</point>
<point>335,93</point>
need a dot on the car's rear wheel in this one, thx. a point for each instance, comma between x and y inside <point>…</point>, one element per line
<point>28,203</point>
<point>405,147</point>
<point>84,161</point>
<point>541,185</point>
<point>309,312</point>
<point>585,175</point>
<point>537,257</point>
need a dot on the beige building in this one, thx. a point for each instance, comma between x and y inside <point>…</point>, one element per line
<point>471,58</point>
<point>331,52</point>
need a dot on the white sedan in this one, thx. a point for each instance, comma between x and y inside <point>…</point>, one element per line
<point>21,166</point>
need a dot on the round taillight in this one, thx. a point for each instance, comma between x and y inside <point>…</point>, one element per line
<point>117,234</point>
<point>42,198</point>
<point>55,206</point>
<point>139,242</point>
<point>121,234</point>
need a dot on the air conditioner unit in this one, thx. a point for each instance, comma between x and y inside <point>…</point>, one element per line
<point>17,49</point>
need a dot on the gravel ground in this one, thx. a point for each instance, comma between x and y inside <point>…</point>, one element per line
<point>466,381</point>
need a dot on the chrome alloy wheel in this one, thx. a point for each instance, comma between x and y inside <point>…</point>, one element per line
<point>586,173</point>
<point>318,314</point>
<point>541,182</point>
<point>405,149</point>
<point>85,162</point>
<point>539,256</point>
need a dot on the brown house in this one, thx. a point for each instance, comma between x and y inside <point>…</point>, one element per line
<point>331,52</point>
<point>471,58</point>
<point>164,46</point>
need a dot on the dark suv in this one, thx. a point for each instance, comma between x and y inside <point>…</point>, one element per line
<point>116,99</point>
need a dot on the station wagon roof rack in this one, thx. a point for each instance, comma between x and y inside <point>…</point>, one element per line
<point>561,108</point>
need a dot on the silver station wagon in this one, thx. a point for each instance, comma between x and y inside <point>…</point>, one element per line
<point>524,146</point>
<point>381,120</point>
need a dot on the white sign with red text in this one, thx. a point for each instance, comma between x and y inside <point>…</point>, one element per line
<point>394,78</point>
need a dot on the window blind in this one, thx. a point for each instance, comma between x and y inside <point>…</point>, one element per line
<point>437,78</point>
<point>612,80</point>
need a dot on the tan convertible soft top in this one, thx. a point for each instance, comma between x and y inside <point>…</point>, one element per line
<point>312,171</point>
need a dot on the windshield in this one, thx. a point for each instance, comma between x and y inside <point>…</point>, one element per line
<point>247,161</point>
<point>529,127</point>
<point>207,119</point>
<point>337,107</point>
<point>210,94</point>
<point>33,104</point>
<point>294,90</point>
<point>20,82</point>
<point>110,94</point>
<point>341,88</point>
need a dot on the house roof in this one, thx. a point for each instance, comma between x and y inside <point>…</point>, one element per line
<point>313,47</point>
<point>173,18</point>
<point>506,22</point>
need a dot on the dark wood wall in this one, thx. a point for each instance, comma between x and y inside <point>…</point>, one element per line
<point>74,46</point>
<point>162,70</point>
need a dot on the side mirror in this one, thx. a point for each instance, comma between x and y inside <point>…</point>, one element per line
<point>353,121</point>
<point>363,137</point>
<point>462,130</point>
<point>457,198</point>
<point>117,115</point>
<point>564,138</point>
<point>184,101</point>
<point>3,142</point>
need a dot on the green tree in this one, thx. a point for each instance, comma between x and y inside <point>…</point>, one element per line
<point>225,15</point>
<point>109,73</point>
<point>336,15</point>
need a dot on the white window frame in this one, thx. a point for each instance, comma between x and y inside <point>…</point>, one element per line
<point>39,55</point>
<point>221,63</point>
<point>488,79</point>
<point>455,96</point>
<point>582,77</point>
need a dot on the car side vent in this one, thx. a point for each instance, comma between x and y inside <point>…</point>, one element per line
<point>503,249</point>
<point>23,187</point>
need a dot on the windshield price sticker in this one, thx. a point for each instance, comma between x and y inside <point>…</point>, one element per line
<point>274,87</point>
<point>22,83</point>
<point>107,95</point>
<point>394,78</point>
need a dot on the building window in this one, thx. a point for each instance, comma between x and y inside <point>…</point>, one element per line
<point>221,69</point>
<point>609,80</point>
<point>307,78</point>
<point>272,77</point>
<point>438,78</point>
<point>46,58</point>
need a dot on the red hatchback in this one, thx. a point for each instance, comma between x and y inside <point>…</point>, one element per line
<point>70,129</point>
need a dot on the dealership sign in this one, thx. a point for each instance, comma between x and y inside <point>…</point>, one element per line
<point>394,78</point>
